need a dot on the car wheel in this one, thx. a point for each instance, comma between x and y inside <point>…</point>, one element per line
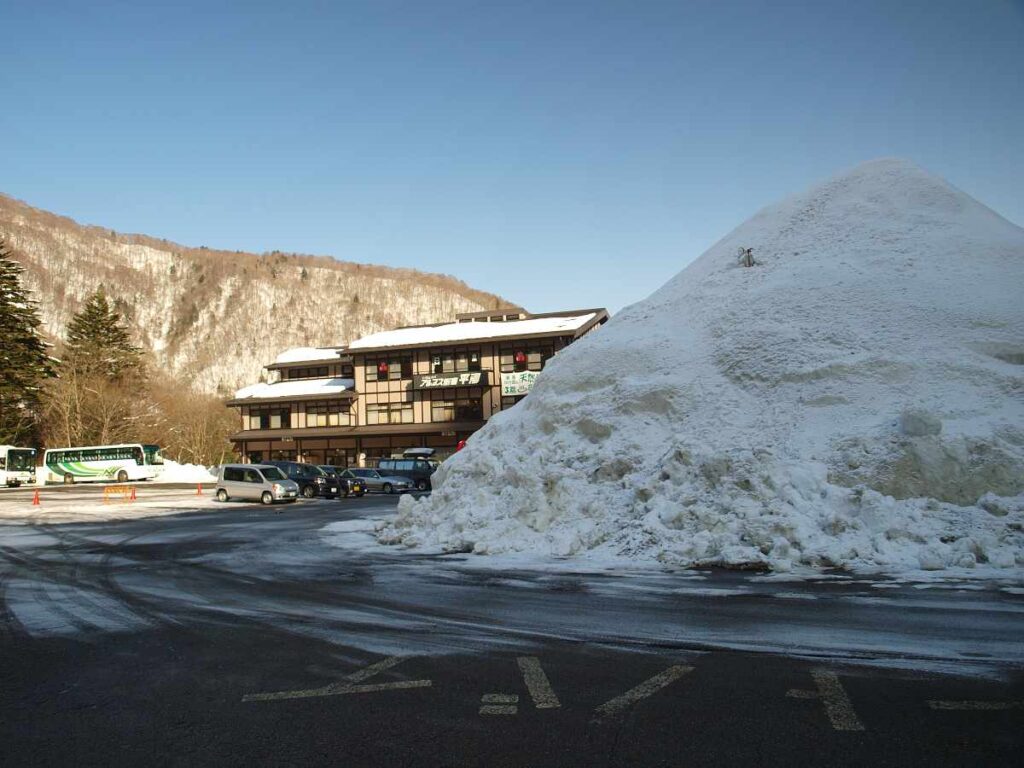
<point>388,488</point>
<point>122,476</point>
<point>309,491</point>
<point>222,495</point>
<point>69,479</point>
<point>422,485</point>
<point>267,497</point>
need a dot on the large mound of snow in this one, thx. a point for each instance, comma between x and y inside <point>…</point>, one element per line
<point>855,398</point>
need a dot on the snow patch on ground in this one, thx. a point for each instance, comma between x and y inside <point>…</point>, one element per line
<point>854,399</point>
<point>173,472</point>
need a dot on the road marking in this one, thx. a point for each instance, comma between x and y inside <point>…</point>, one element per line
<point>977,706</point>
<point>642,691</point>
<point>499,704</point>
<point>537,683</point>
<point>348,685</point>
<point>838,706</point>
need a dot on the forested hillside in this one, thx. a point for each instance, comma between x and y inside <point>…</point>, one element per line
<point>214,318</point>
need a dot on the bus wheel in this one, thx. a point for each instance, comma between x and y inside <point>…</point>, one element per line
<point>69,479</point>
<point>122,476</point>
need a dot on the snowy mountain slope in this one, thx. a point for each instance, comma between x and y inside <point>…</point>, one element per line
<point>855,398</point>
<point>218,317</point>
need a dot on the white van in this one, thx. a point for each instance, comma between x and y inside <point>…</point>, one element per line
<point>254,482</point>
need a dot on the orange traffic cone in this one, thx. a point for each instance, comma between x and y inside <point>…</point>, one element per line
<point>133,494</point>
<point>35,499</point>
<point>199,489</point>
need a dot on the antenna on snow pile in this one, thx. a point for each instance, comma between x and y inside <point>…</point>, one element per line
<point>746,256</point>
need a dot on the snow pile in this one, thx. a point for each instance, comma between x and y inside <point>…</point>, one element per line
<point>854,398</point>
<point>173,472</point>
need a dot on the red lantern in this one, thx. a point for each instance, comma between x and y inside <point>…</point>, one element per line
<point>382,368</point>
<point>520,357</point>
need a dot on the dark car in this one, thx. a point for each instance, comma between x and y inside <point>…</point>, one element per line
<point>347,485</point>
<point>312,480</point>
<point>416,469</point>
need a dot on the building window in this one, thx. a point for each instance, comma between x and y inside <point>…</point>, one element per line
<point>461,409</point>
<point>389,413</point>
<point>525,357</point>
<point>455,361</point>
<point>318,372</point>
<point>389,369</point>
<point>327,414</point>
<point>269,417</point>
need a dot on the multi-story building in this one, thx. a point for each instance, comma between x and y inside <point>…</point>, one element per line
<point>420,386</point>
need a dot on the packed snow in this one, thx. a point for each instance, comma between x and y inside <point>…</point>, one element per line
<point>855,398</point>
<point>308,354</point>
<point>173,472</point>
<point>451,332</point>
<point>296,388</point>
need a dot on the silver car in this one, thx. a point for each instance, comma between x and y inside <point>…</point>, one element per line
<point>375,482</point>
<point>255,482</point>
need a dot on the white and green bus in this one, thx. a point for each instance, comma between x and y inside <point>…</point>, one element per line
<point>17,465</point>
<point>132,461</point>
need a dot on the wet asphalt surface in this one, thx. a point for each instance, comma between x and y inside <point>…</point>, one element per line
<point>240,636</point>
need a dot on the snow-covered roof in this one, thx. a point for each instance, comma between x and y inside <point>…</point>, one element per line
<point>304,354</point>
<point>452,332</point>
<point>292,389</point>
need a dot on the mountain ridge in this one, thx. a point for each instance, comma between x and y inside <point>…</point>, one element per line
<point>215,317</point>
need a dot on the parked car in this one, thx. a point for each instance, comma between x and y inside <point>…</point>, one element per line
<point>414,466</point>
<point>256,482</point>
<point>312,480</point>
<point>347,485</point>
<point>375,482</point>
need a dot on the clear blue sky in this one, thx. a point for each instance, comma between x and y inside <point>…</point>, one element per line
<point>559,153</point>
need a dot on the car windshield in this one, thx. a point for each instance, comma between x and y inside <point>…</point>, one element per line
<point>273,473</point>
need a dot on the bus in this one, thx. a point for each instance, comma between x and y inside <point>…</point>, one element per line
<point>131,461</point>
<point>17,465</point>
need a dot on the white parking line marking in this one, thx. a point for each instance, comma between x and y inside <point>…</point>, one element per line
<point>977,706</point>
<point>499,704</point>
<point>838,706</point>
<point>537,683</point>
<point>499,698</point>
<point>653,685</point>
<point>348,685</point>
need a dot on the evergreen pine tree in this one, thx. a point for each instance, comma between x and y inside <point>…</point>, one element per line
<point>98,343</point>
<point>24,363</point>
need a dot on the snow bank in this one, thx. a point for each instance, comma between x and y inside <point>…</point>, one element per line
<point>855,398</point>
<point>173,472</point>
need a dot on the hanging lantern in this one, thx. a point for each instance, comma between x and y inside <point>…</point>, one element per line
<point>382,368</point>
<point>520,357</point>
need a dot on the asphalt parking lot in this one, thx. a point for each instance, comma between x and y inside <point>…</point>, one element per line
<point>232,635</point>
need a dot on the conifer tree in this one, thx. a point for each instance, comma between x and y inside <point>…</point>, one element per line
<point>24,363</point>
<point>99,344</point>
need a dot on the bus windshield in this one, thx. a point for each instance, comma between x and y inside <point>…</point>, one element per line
<point>21,460</point>
<point>153,454</point>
